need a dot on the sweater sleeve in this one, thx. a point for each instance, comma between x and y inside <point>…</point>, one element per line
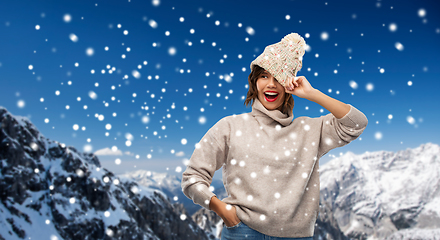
<point>209,156</point>
<point>339,132</point>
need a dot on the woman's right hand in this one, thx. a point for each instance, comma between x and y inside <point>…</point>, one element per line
<point>225,211</point>
<point>230,217</point>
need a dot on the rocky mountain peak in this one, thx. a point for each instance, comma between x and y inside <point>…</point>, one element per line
<point>52,191</point>
<point>378,194</point>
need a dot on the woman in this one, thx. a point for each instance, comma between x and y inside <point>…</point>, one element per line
<point>270,163</point>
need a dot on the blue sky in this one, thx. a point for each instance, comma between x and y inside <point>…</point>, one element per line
<point>149,78</point>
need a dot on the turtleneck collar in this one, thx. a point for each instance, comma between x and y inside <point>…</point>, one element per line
<point>271,115</point>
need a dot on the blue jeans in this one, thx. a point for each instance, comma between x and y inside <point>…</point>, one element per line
<point>242,231</point>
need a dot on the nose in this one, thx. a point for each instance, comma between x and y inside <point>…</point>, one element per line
<point>271,82</point>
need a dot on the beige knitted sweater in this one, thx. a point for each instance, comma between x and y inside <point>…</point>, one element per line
<point>270,166</point>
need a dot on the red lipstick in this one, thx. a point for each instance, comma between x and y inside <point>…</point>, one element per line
<point>270,96</point>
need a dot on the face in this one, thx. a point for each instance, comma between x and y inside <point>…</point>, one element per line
<point>270,92</point>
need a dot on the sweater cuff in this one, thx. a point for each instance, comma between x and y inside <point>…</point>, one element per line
<point>202,195</point>
<point>354,118</point>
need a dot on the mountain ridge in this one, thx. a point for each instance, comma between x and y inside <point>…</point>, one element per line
<point>52,191</point>
<point>379,194</point>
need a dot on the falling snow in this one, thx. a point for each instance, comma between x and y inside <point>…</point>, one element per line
<point>67,18</point>
<point>369,87</point>
<point>250,30</point>
<point>392,27</point>
<point>74,38</point>
<point>399,46</point>
<point>167,82</point>
<point>378,135</point>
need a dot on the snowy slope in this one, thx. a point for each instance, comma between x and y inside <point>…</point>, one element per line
<point>383,194</point>
<point>375,195</point>
<point>52,191</point>
<point>171,186</point>
<point>167,183</point>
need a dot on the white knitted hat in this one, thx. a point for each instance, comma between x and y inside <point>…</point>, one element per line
<point>283,59</point>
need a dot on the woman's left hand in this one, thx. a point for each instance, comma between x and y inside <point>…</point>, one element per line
<point>298,86</point>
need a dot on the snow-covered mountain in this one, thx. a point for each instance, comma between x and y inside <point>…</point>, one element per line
<point>379,195</point>
<point>171,186</point>
<point>207,220</point>
<point>168,182</point>
<point>375,195</point>
<point>52,191</point>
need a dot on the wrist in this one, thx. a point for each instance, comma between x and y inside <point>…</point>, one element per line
<point>314,95</point>
<point>217,205</point>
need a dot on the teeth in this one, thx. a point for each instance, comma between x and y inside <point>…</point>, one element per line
<point>271,93</point>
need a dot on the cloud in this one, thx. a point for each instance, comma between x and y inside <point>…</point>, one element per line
<point>129,153</point>
<point>180,154</point>
<point>108,152</point>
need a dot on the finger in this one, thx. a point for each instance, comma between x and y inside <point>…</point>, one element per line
<point>295,79</point>
<point>299,80</point>
<point>295,83</point>
<point>289,82</point>
<point>292,84</point>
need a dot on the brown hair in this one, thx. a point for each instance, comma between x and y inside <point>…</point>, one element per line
<point>253,91</point>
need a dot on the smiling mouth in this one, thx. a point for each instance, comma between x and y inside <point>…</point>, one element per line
<point>271,96</point>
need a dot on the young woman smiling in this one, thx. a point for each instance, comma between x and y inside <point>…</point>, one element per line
<point>270,160</point>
